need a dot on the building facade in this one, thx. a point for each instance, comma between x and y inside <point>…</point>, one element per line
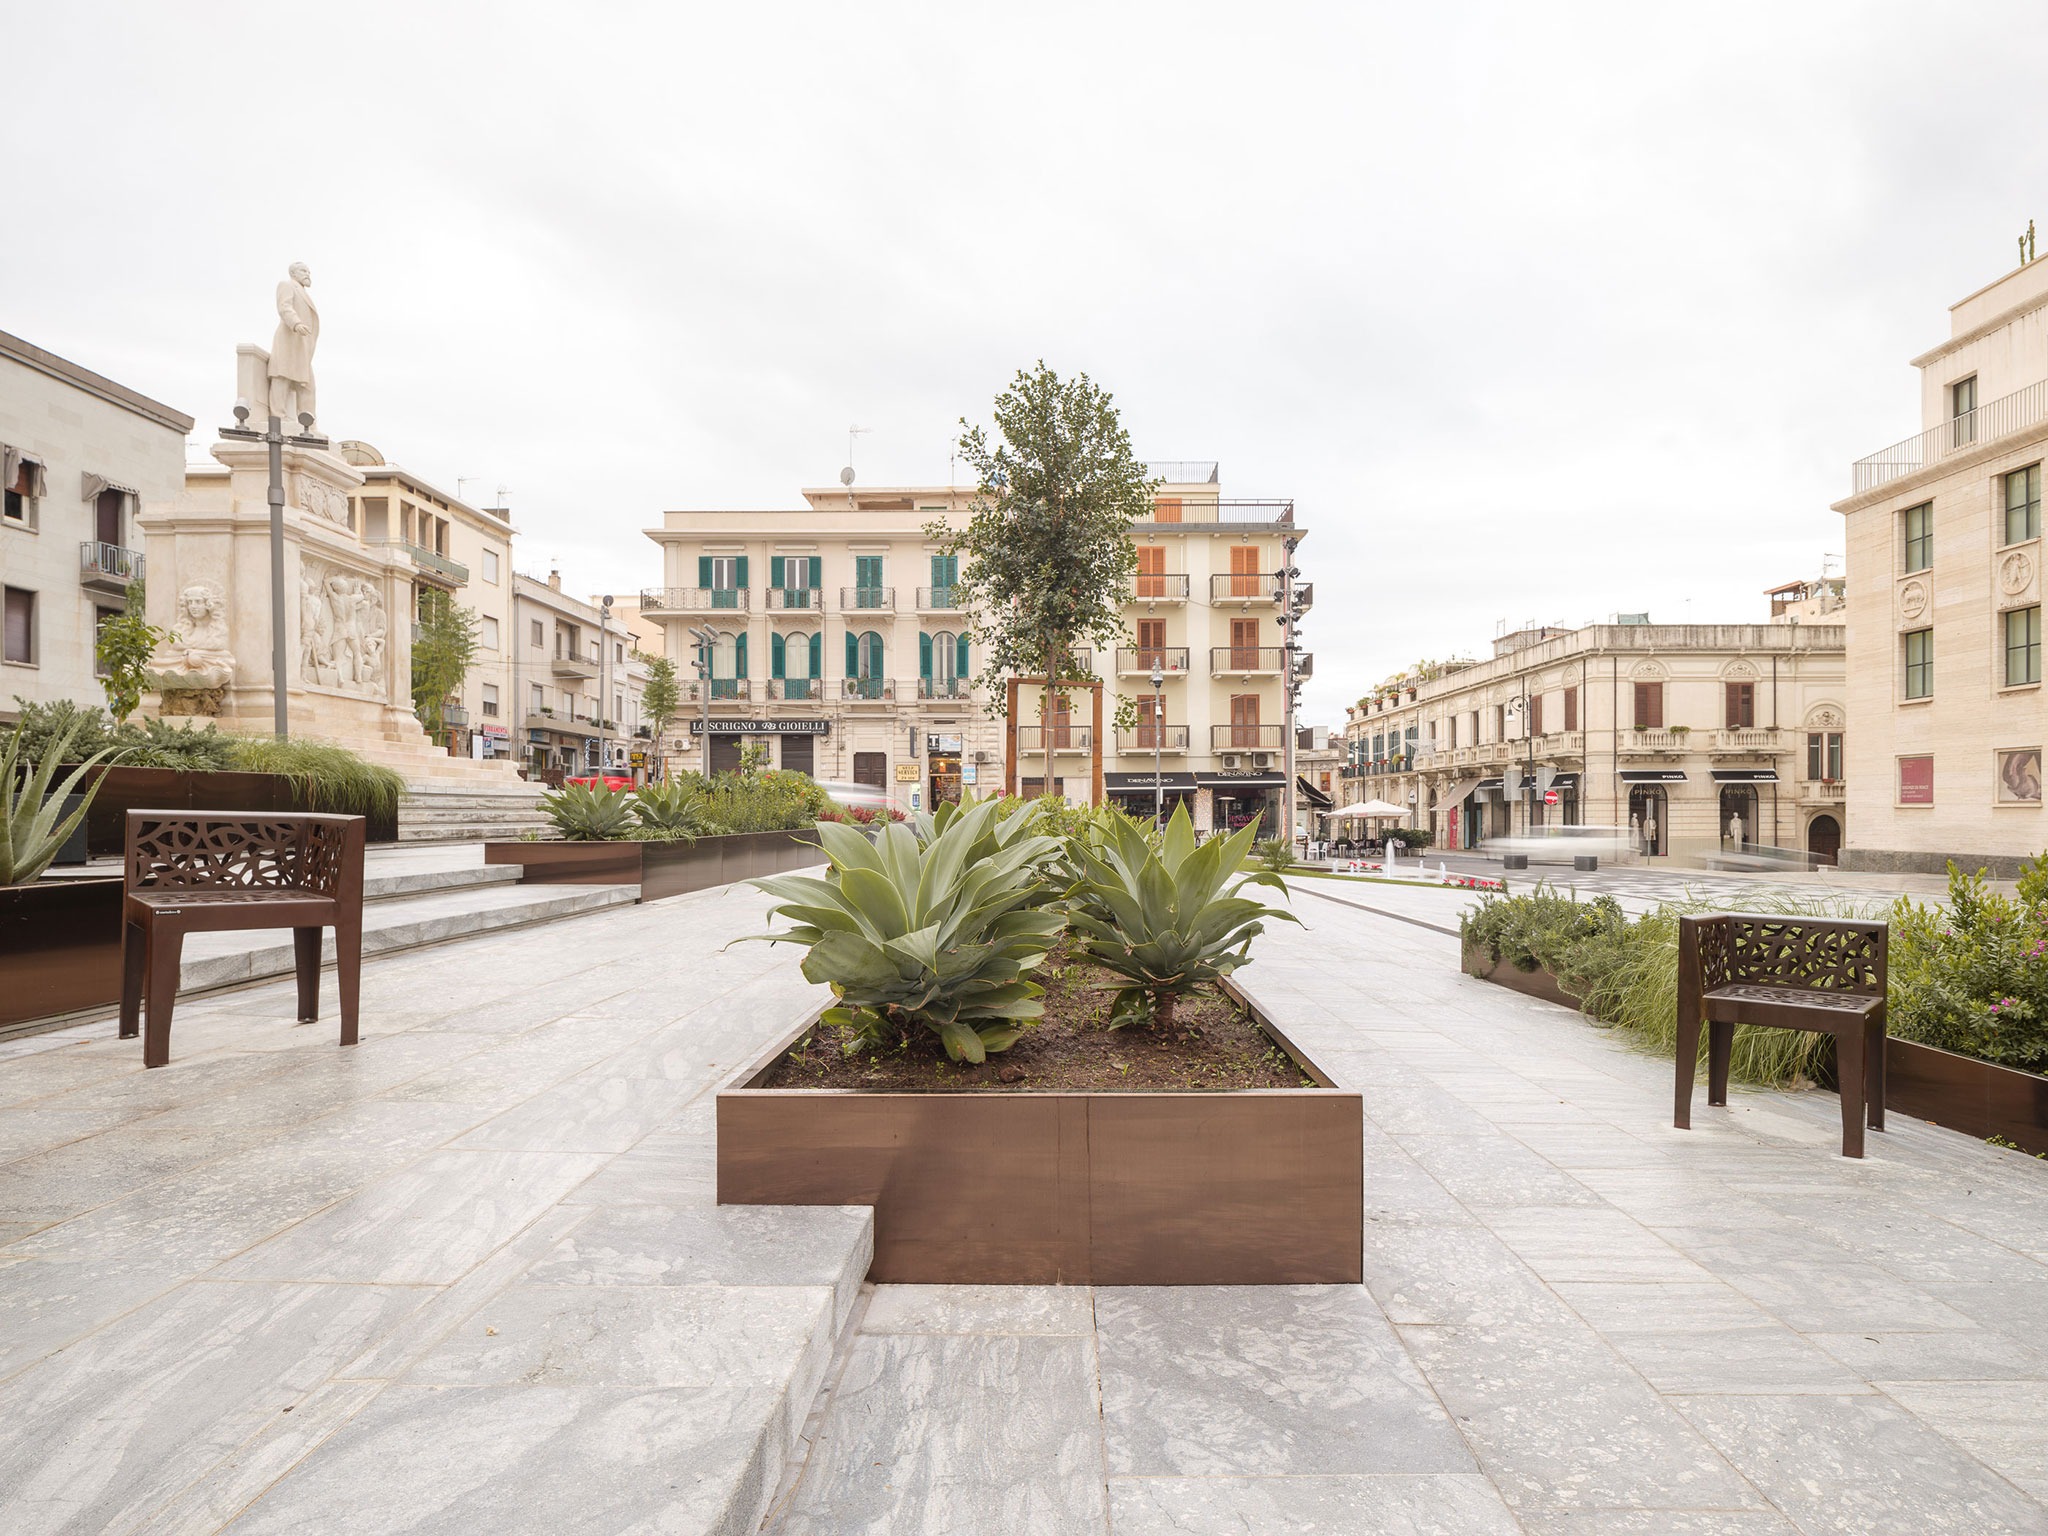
<point>80,458</point>
<point>576,685</point>
<point>1944,569</point>
<point>1691,740</point>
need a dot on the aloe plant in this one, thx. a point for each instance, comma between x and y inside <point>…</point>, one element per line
<point>940,936</point>
<point>671,810</point>
<point>33,826</point>
<point>585,813</point>
<point>1168,919</point>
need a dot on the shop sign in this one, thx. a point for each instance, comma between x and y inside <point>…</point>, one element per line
<point>763,727</point>
<point>502,732</point>
<point>967,773</point>
<point>1916,781</point>
<point>944,746</point>
<point>906,773</point>
<point>637,759</point>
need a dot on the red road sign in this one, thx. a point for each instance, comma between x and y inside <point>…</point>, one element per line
<point>1550,797</point>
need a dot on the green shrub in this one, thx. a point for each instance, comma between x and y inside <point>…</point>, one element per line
<point>590,813</point>
<point>327,777</point>
<point>33,825</point>
<point>1414,839</point>
<point>1972,976</point>
<point>1275,853</point>
<point>774,800</point>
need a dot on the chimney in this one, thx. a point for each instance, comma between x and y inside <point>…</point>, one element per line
<point>555,579</point>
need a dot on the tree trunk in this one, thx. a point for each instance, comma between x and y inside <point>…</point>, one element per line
<point>1162,1011</point>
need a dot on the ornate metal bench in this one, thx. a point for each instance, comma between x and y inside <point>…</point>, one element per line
<point>207,873</point>
<point>1824,975</point>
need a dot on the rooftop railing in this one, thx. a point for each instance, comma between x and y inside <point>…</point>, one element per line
<point>1987,423</point>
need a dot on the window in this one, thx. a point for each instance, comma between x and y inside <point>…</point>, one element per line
<point>1500,722</point>
<point>867,581</point>
<point>1244,720</point>
<point>1571,710</point>
<point>491,566</point>
<point>1151,570</point>
<point>1244,571</point>
<point>489,634</point>
<point>540,698</point>
<point>1151,644</point>
<point>2023,505</point>
<point>110,517</point>
<point>19,644</point>
<point>1453,742</point>
<point>1166,509</point>
<point>2022,646</point>
<point>18,505</point>
<point>1649,706</point>
<point>618,708</point>
<point>618,653</point>
<point>1535,714</point>
<point>490,704</point>
<point>1741,706</point>
<point>538,638</point>
<point>1919,525</point>
<point>1962,407</point>
<point>1824,755</point>
<point>1919,645</point>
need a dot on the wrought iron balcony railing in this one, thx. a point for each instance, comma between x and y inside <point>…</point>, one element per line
<point>868,690</point>
<point>692,599</point>
<point>936,599</point>
<point>1065,738</point>
<point>1140,660</point>
<point>1168,739</point>
<point>1246,659</point>
<point>1245,738</point>
<point>796,690</point>
<point>1245,587</point>
<point>945,688</point>
<point>1167,587</point>
<point>796,600</point>
<point>109,565</point>
<point>868,599</point>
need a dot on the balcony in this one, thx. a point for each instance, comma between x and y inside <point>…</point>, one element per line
<point>1989,422</point>
<point>1304,595</point>
<point>802,601</point>
<point>1163,588</point>
<point>1246,660</point>
<point>1244,588</point>
<point>945,688</point>
<point>1304,664</point>
<point>1559,744</point>
<point>108,567</point>
<point>1139,660</point>
<point>1667,742</point>
<point>796,690</point>
<point>659,600</point>
<point>937,600</point>
<point>868,690</point>
<point>1750,740</point>
<point>1167,740</point>
<point>1250,513</point>
<point>1245,738</point>
<point>455,717</point>
<point>436,567</point>
<point>867,599</point>
<point>542,721</point>
<point>1065,738</point>
<point>565,665</point>
<point>1821,791</point>
<point>730,690</point>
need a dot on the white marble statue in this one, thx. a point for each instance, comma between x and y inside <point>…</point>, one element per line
<point>1735,828</point>
<point>291,349</point>
<point>196,656</point>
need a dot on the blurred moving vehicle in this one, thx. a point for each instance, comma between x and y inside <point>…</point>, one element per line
<point>1560,845</point>
<point>608,781</point>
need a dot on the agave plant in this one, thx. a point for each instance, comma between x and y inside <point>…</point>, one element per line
<point>585,813</point>
<point>671,809</point>
<point>937,937</point>
<point>33,826</point>
<point>1168,919</point>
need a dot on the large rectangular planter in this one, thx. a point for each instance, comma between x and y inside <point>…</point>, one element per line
<point>1253,1187</point>
<point>1978,1098</point>
<point>173,789</point>
<point>60,948</point>
<point>1536,983</point>
<point>660,869</point>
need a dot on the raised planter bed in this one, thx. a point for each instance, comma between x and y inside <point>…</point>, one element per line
<point>1248,1187</point>
<point>660,869</point>
<point>60,948</point>
<point>174,789</point>
<point>1536,983</point>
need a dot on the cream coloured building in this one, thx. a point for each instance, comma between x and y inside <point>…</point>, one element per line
<point>1944,567</point>
<point>575,682</point>
<point>80,458</point>
<point>838,641</point>
<point>1691,738</point>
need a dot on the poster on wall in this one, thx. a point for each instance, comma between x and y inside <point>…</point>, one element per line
<point>2019,776</point>
<point>1916,781</point>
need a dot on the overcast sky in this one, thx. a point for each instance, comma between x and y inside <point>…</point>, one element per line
<point>1536,311</point>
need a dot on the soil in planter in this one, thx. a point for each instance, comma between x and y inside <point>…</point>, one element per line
<point>1214,1046</point>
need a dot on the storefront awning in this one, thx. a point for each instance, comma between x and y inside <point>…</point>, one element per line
<point>1558,781</point>
<point>1488,786</point>
<point>1458,794</point>
<point>1315,798</point>
<point>1744,775</point>
<point>1229,783</point>
<point>1126,783</point>
<point>1653,775</point>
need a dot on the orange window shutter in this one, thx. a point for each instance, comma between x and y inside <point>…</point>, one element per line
<point>1166,509</point>
<point>1244,644</point>
<point>1244,570</point>
<point>1151,570</point>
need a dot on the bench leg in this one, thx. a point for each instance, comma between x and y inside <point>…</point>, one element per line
<point>1687,1062</point>
<point>1873,1074</point>
<point>348,969</point>
<point>134,961</point>
<point>166,950</point>
<point>1720,1048</point>
<point>1850,1066</point>
<point>306,954</point>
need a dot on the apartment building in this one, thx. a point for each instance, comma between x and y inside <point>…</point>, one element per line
<point>80,457</point>
<point>1944,570</point>
<point>1692,739</point>
<point>575,681</point>
<point>853,661</point>
<point>458,551</point>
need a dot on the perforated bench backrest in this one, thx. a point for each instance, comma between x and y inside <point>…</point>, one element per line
<point>1815,954</point>
<point>228,852</point>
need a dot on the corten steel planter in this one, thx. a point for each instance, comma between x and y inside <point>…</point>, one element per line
<point>1251,1187</point>
<point>174,789</point>
<point>1537,983</point>
<point>660,869</point>
<point>60,948</point>
<point>1978,1098</point>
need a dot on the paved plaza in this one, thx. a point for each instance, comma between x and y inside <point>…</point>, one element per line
<point>469,1276</point>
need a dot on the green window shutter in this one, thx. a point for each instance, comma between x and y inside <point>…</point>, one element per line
<point>777,656</point>
<point>703,570</point>
<point>775,573</point>
<point>961,669</point>
<point>817,572</point>
<point>852,654</point>
<point>739,657</point>
<point>939,572</point>
<point>817,656</point>
<point>924,657</point>
<point>740,573</point>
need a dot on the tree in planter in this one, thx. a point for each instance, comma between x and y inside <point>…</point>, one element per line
<point>441,656</point>
<point>1045,560</point>
<point>122,647</point>
<point>662,699</point>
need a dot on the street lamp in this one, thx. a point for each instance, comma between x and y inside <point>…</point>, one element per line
<point>273,435</point>
<point>1522,707</point>
<point>604,685</point>
<point>1158,716</point>
<point>706,637</point>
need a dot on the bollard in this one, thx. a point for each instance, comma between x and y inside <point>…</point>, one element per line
<point>1585,863</point>
<point>1514,861</point>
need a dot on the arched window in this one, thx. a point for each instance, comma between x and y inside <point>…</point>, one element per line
<point>728,664</point>
<point>865,664</point>
<point>794,661</point>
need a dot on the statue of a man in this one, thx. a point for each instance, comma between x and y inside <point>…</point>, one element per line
<point>291,349</point>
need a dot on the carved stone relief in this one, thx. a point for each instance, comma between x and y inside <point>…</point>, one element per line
<point>193,668</point>
<point>1824,717</point>
<point>2016,573</point>
<point>322,500</point>
<point>1913,599</point>
<point>1739,670</point>
<point>1649,671</point>
<point>342,629</point>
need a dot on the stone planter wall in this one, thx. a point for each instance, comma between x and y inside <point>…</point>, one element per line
<point>1536,983</point>
<point>60,948</point>
<point>660,869</point>
<point>173,789</point>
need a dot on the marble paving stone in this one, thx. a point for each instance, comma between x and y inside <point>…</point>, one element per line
<point>119,1422</point>
<point>27,1132</point>
<point>1495,1170</point>
<point>584,1114</point>
<point>425,1224</point>
<point>1383,1504</point>
<point>1560,1424</point>
<point>1811,1283</point>
<point>1591,1245</point>
<point>1662,1522</point>
<point>80,1175</point>
<point>1045,1309</point>
<point>1853,1466</point>
<point>1419,1273</point>
<point>2004,1424</point>
<point>931,1433</point>
<point>678,1173</point>
<point>10,1230</point>
<point>592,1461</point>
<point>44,1079</point>
<point>1296,1380</point>
<point>1633,1307</point>
<point>1974,1354</point>
<point>1770,1358</point>
<point>47,1303</point>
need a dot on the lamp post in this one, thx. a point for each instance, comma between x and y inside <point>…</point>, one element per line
<point>706,637</point>
<point>1522,707</point>
<point>273,436</point>
<point>1158,727</point>
<point>1290,622</point>
<point>604,685</point>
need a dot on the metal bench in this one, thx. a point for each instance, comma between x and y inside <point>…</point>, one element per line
<point>1826,975</point>
<point>203,873</point>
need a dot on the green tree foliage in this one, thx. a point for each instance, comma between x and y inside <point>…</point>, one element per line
<point>662,700</point>
<point>1046,558</point>
<point>442,655</point>
<point>122,647</point>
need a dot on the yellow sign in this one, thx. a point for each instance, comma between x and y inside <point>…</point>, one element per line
<point>906,773</point>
